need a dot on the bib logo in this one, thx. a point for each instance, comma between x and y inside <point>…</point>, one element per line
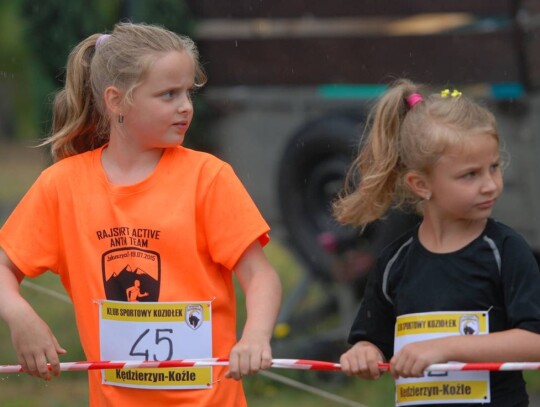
<point>131,274</point>
<point>194,316</point>
<point>469,325</point>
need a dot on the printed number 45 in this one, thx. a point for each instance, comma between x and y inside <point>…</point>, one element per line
<point>161,336</point>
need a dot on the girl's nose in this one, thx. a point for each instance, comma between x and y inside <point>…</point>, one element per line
<point>491,183</point>
<point>185,103</point>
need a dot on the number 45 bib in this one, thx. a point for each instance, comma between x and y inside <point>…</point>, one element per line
<point>156,331</point>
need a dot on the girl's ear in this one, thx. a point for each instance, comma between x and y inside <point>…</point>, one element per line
<point>114,100</point>
<point>419,184</point>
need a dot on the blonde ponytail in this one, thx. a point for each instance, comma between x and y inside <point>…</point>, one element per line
<point>77,126</point>
<point>378,167</point>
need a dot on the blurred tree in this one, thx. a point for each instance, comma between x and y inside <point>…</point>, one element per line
<point>16,109</point>
<point>53,28</point>
<point>172,14</point>
<point>56,26</point>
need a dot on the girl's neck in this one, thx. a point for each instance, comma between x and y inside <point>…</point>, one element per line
<point>128,165</point>
<point>448,236</point>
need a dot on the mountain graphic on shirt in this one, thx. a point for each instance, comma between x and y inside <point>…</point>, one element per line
<point>119,282</point>
<point>128,269</point>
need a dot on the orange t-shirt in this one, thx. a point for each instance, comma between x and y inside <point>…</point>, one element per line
<point>191,216</point>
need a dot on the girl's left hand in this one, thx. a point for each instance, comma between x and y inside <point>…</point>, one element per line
<point>248,356</point>
<point>414,358</point>
<point>262,289</point>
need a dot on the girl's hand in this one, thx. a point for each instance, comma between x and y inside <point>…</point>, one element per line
<point>362,360</point>
<point>251,354</point>
<point>262,288</point>
<point>32,339</point>
<point>414,358</point>
<point>35,345</point>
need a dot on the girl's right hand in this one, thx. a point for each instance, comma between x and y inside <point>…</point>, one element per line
<point>34,343</point>
<point>362,360</point>
<point>32,339</point>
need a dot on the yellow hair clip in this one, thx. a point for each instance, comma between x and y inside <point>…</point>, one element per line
<point>455,93</point>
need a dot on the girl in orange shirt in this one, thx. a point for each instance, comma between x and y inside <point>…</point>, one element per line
<point>126,205</point>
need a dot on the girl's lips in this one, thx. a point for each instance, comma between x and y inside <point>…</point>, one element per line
<point>181,126</point>
<point>486,204</point>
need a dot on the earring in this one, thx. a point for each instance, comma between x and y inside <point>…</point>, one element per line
<point>428,196</point>
<point>120,118</point>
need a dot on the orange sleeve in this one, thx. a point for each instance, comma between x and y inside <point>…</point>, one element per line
<point>30,237</point>
<point>231,219</point>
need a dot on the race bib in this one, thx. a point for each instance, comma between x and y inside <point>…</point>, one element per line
<point>441,387</point>
<point>156,331</point>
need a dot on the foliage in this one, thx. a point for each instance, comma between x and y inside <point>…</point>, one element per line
<point>17,114</point>
<point>66,23</point>
<point>56,26</point>
<point>172,14</point>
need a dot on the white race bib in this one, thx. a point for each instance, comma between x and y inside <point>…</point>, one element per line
<point>156,331</point>
<point>441,387</point>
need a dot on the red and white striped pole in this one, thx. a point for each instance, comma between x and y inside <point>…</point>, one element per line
<point>297,364</point>
<point>491,366</point>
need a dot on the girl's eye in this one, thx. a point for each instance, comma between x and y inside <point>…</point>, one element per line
<point>469,175</point>
<point>495,167</point>
<point>171,94</point>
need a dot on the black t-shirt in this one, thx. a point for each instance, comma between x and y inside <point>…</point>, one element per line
<point>497,272</point>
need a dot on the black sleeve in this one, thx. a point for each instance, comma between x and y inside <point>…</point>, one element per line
<point>521,284</point>
<point>375,320</point>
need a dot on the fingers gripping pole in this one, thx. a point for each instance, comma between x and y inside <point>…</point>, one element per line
<point>297,364</point>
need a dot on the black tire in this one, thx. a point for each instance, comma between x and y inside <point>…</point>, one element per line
<point>312,171</point>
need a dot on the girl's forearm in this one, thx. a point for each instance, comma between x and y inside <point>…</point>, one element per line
<point>262,289</point>
<point>11,300</point>
<point>263,297</point>
<point>514,345</point>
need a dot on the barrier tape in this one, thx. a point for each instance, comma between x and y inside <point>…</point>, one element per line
<point>490,366</point>
<point>298,364</point>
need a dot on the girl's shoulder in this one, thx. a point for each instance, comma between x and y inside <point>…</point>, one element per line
<point>500,232</point>
<point>70,166</point>
<point>198,168</point>
<point>504,236</point>
<point>196,158</point>
<point>397,245</point>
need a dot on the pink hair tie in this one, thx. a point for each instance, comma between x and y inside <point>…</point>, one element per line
<point>413,99</point>
<point>101,38</point>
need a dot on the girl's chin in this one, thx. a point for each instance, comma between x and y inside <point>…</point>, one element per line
<point>175,141</point>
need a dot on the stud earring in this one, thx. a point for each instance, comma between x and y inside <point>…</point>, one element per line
<point>120,118</point>
<point>428,196</point>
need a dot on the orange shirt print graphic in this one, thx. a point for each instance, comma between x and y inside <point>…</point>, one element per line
<point>131,274</point>
<point>133,293</point>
